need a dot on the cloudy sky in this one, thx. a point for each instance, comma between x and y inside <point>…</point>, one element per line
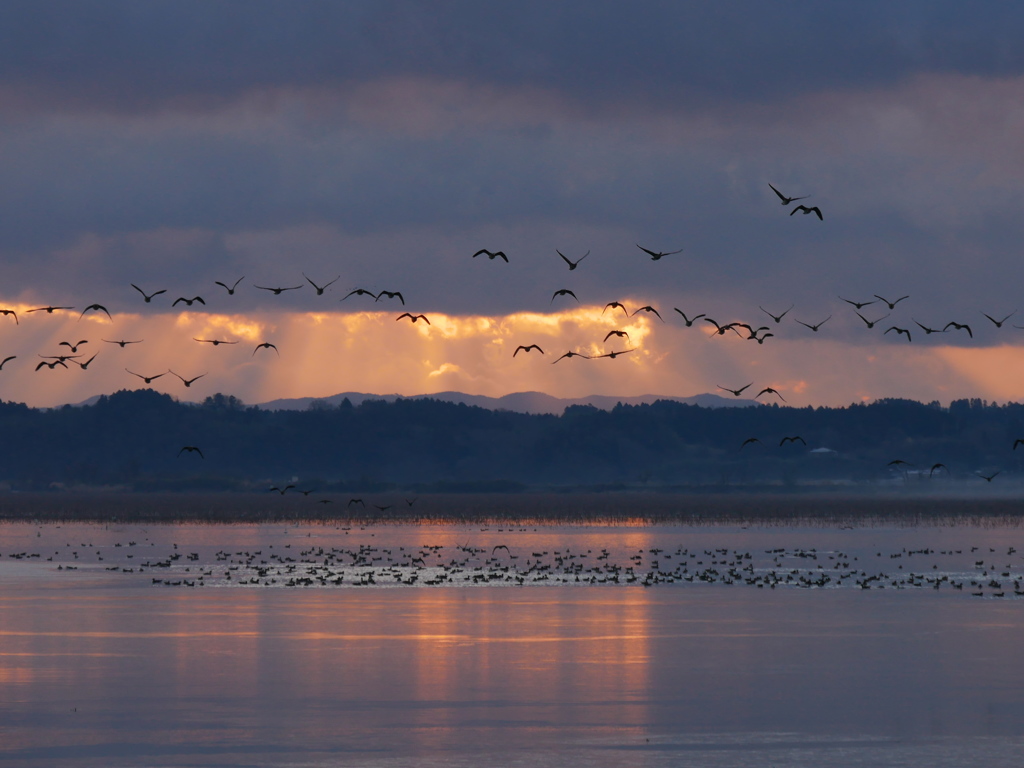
<point>171,145</point>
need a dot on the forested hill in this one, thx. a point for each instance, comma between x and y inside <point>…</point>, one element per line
<point>135,439</point>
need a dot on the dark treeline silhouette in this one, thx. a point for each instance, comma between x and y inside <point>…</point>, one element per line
<point>135,440</point>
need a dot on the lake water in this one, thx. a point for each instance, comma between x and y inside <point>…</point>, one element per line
<point>529,646</point>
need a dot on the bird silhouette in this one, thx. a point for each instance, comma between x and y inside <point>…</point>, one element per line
<point>615,305</point>
<point>776,318</point>
<point>619,334</point>
<point>891,304</point>
<point>47,310</point>
<point>860,304</point>
<point>655,255</point>
<point>84,365</point>
<point>960,327</point>
<point>938,465</point>
<point>95,308</point>
<point>988,478</point>
<point>265,345</point>
<point>188,302</point>
<point>816,326</point>
<point>689,320</point>
<point>999,323</point>
<point>191,449</point>
<point>355,501</point>
<point>187,382</point>
<point>500,546</point>
<point>760,339</point>
<point>563,292</point>
<point>10,312</point>
<point>572,354</point>
<point>649,309</point>
<point>751,331</point>
<point>899,463</point>
<point>231,290</point>
<point>770,391</point>
<point>572,264</point>
<point>282,491</point>
<point>278,291</point>
<point>492,256</point>
<point>793,439</point>
<point>15,357</point>
<point>750,441</point>
<point>122,343</point>
<point>62,358</point>
<point>787,200</point>
<point>805,210</point>
<point>361,292</point>
<point>721,329</point>
<point>412,317</point>
<point>147,296</point>
<point>527,349</point>
<point>391,295</point>
<point>928,331</point>
<point>613,355</point>
<point>870,323</point>
<point>147,379</point>
<point>904,331</point>
<point>321,288</point>
<point>73,347</point>
<point>736,392</point>
<point>1016,442</point>
<point>215,342</point>
<point>51,365</point>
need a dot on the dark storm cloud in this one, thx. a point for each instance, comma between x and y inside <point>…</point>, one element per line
<point>138,55</point>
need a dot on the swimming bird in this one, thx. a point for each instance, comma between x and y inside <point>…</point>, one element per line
<point>187,382</point>
<point>84,365</point>
<point>792,439</point>
<point>47,310</point>
<point>412,317</point>
<point>188,302</point>
<point>278,291</point>
<point>572,264</point>
<point>999,323</point>
<point>689,320</point>
<point>860,304</point>
<point>391,295</point>
<point>904,331</point>
<point>928,331</point>
<point>563,292</point>
<point>122,343</point>
<point>10,312</point>
<point>776,318</point>
<point>215,342</point>
<point>14,357</point>
<point>320,288</point>
<point>265,345</point>
<point>572,354</point>
<point>147,296</point>
<point>613,355</point>
<point>891,304</point>
<point>191,449</point>
<point>95,308</point>
<point>816,326</point>
<point>615,305</point>
<point>231,290</point>
<point>870,323</point>
<point>52,365</point>
<point>787,200</point>
<point>770,391</point>
<point>736,392</point>
<point>960,327</point>
<point>360,292</point>
<point>527,349</point>
<point>812,209</point>
<point>655,255</point>
<point>147,379</point>
<point>492,256</point>
<point>750,441</point>
<point>620,334</point>
<point>650,309</point>
<point>73,347</point>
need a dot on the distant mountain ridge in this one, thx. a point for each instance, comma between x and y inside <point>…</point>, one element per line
<point>518,402</point>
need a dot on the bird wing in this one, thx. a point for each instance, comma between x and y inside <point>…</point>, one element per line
<point>782,197</point>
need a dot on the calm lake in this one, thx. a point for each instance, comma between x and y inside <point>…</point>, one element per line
<point>402,645</point>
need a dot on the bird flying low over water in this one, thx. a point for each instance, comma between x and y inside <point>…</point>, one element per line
<point>231,290</point>
<point>649,309</point>
<point>278,291</point>
<point>265,345</point>
<point>787,200</point>
<point>147,296</point>
<point>563,292</point>
<point>412,317</point>
<point>147,379</point>
<point>615,305</point>
<point>95,308</point>
<point>10,312</point>
<point>188,302</point>
<point>527,349</point>
<point>492,256</point>
<point>655,255</point>
<point>391,295</point>
<point>736,392</point>
<point>572,264</point>
<point>776,318</point>
<point>572,354</point>
<point>122,343</point>
<point>805,209</point>
<point>320,288</point>
<point>689,320</point>
<point>191,449</point>
<point>899,331</point>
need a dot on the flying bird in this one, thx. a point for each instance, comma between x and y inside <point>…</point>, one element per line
<point>816,326</point>
<point>122,343</point>
<point>891,304</point>
<point>870,323</point>
<point>721,329</point>
<point>73,347</point>
<point>282,491</point>
<point>860,304</point>
<point>147,379</point>
<point>231,290</point>
<point>361,292</point>
<point>760,339</point>
<point>620,334</point>
<point>356,501</point>
<point>750,441</point>
<point>84,365</point>
<point>147,296</point>
<point>988,478</point>
<point>563,292</point>
<point>572,354</point>
<point>999,323</point>
<point>689,320</point>
<point>904,331</point>
<point>278,291</point>
<point>938,465</point>
<point>960,327</point>
<point>615,305</point>
<point>655,255</point>
<point>787,200</point>
<point>188,302</point>
<point>52,365</point>
<point>47,310</point>
<point>187,382</point>
<point>776,318</point>
<point>412,317</point>
<point>899,463</point>
<point>191,449</point>
<point>265,345</point>
<point>215,342</point>
<point>1016,442</point>
<point>613,355</point>
<point>320,288</point>
<point>527,349</point>
<point>492,256</point>
<point>770,391</point>
<point>10,312</point>
<point>736,392</point>
<point>14,357</point>
<point>928,331</point>
<point>650,309</point>
<point>751,331</point>
<point>391,295</point>
<point>95,308</point>
<point>572,264</point>
<point>792,439</point>
<point>812,209</point>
